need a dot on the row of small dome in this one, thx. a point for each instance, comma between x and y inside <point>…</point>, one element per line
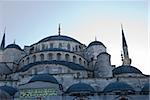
<point>78,87</point>
<point>58,38</point>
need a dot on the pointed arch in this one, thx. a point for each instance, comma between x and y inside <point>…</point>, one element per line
<point>50,56</point>
<point>67,57</point>
<point>74,59</point>
<point>42,57</point>
<point>34,58</point>
<point>80,61</point>
<point>68,46</point>
<point>58,56</point>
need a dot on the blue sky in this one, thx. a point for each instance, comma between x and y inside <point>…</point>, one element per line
<point>29,21</point>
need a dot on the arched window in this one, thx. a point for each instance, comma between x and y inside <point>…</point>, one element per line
<point>27,60</point>
<point>60,45</point>
<point>73,49</point>
<point>46,46</point>
<point>84,63</point>
<point>22,62</point>
<point>34,71</point>
<point>123,98</point>
<point>36,49</point>
<point>68,46</point>
<point>51,45</point>
<point>67,57</point>
<point>43,46</point>
<point>79,47</point>
<point>34,58</point>
<point>74,59</point>
<point>76,48</point>
<point>78,74</point>
<point>46,69</point>
<point>58,56</point>
<point>50,56</point>
<point>42,57</point>
<point>80,61</point>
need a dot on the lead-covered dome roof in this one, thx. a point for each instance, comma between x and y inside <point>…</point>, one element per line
<point>126,69</point>
<point>58,37</point>
<point>44,78</point>
<point>146,87</point>
<point>70,65</point>
<point>118,86</point>
<point>8,89</point>
<point>4,69</point>
<point>13,46</point>
<point>80,87</point>
<point>96,43</point>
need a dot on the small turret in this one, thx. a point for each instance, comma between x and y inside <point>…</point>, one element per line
<point>92,51</point>
<point>103,65</point>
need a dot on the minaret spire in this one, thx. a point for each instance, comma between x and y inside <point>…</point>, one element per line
<point>59,30</point>
<point>3,40</point>
<point>126,59</point>
<point>124,43</point>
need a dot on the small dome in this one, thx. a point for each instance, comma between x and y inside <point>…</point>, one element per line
<point>8,89</point>
<point>44,78</point>
<point>118,86</point>
<point>102,53</point>
<point>14,46</point>
<point>96,43</point>
<point>80,87</point>
<point>58,37</point>
<point>126,69</point>
<point>146,88</point>
<point>5,69</point>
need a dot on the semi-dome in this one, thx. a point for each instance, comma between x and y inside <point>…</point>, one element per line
<point>118,86</point>
<point>126,69</point>
<point>96,43</point>
<point>8,89</point>
<point>58,37</point>
<point>80,87</point>
<point>70,65</point>
<point>14,46</point>
<point>146,87</point>
<point>44,78</point>
<point>4,69</point>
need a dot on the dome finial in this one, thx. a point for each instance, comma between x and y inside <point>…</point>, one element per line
<point>59,30</point>
<point>95,38</point>
<point>14,41</point>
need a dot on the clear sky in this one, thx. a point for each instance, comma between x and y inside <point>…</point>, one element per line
<point>27,22</point>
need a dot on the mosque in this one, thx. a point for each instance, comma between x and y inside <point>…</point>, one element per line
<point>59,67</point>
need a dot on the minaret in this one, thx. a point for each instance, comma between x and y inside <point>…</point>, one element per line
<point>3,41</point>
<point>126,60</point>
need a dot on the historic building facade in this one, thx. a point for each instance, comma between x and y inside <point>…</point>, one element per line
<point>61,68</point>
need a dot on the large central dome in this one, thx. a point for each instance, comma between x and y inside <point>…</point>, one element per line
<point>58,37</point>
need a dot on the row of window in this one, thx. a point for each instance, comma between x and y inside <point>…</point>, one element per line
<point>51,45</point>
<point>59,57</point>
